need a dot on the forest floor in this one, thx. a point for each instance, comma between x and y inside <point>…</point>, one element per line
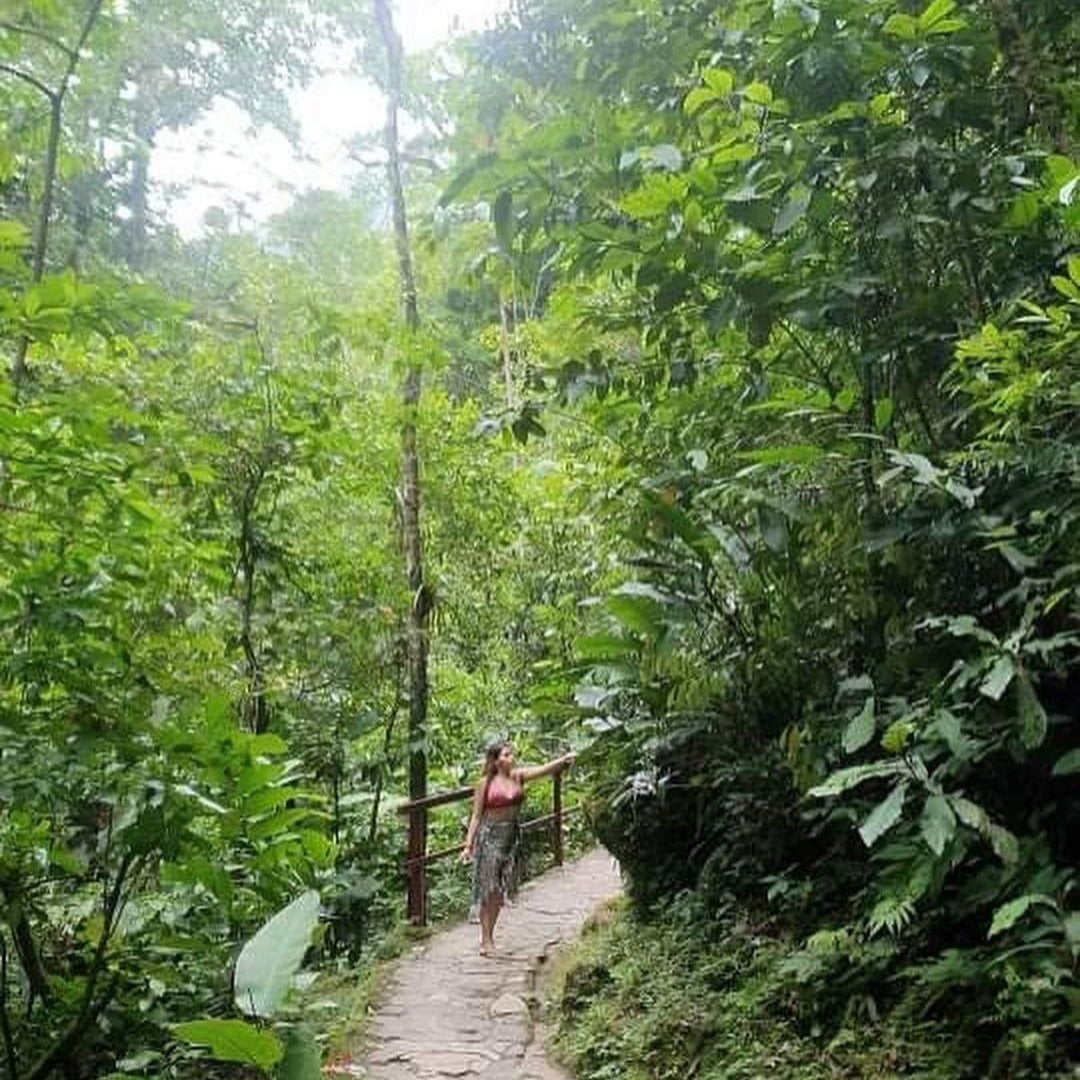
<point>448,1012</point>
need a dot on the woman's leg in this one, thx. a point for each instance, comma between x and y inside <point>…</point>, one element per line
<point>488,914</point>
<point>496,907</point>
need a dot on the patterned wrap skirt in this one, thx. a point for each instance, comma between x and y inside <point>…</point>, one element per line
<point>496,863</point>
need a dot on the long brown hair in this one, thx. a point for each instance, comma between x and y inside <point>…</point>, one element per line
<point>491,758</point>
<point>491,762</point>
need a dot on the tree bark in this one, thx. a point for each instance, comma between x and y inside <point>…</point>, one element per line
<point>416,629</point>
<point>145,131</point>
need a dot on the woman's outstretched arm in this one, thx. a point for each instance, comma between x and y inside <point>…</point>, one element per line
<point>535,772</point>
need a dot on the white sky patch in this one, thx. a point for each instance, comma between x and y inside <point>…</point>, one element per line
<point>255,173</point>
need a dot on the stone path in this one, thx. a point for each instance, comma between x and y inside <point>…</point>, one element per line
<point>449,1012</point>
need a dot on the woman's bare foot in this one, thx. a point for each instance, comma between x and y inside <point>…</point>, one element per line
<point>487,948</point>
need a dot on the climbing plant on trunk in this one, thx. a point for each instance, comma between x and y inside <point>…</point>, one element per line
<point>416,626</point>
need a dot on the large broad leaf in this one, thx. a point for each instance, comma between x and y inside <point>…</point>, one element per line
<point>233,1040</point>
<point>1067,764</point>
<point>861,730</point>
<point>884,816</point>
<point>938,823</point>
<point>796,206</point>
<point>997,681</point>
<point>605,647</point>
<point>268,962</point>
<point>637,613</point>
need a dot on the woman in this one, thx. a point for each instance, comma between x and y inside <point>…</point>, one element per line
<point>494,836</point>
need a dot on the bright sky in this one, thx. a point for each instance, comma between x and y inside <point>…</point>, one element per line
<point>221,161</point>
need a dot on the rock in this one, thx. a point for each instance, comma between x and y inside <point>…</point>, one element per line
<point>509,1005</point>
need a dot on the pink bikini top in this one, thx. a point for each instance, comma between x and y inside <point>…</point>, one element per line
<point>496,799</point>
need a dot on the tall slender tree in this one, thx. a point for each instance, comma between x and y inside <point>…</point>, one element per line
<point>416,631</point>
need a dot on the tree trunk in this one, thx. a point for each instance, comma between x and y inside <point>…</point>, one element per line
<point>256,708</point>
<point>145,131</point>
<point>416,629</point>
<point>56,98</point>
<point>506,316</point>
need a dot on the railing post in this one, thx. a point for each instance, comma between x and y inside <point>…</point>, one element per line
<point>417,849</point>
<point>556,824</point>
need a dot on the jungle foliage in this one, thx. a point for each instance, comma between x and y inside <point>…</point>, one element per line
<point>750,344</point>
<point>827,256</point>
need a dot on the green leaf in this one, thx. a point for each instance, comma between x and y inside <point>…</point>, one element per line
<point>975,817</point>
<point>1066,287</point>
<point>883,413</point>
<point>925,471</point>
<point>233,1040</point>
<point>971,814</point>
<point>268,744</point>
<point>1033,722</point>
<point>938,823</point>
<point>997,681</point>
<point>637,613</point>
<point>733,154</point>
<point>719,80</point>
<point>935,11</point>
<point>1025,210</point>
<point>605,647</point>
<point>796,206</point>
<point>267,962</point>
<point>844,779</point>
<point>1005,845</point>
<point>884,816</point>
<point>278,823</point>
<point>861,729</point>
<point>902,26</point>
<point>697,99</point>
<point>1009,914</point>
<point>758,93</point>
<point>1068,764</point>
<point>302,1060</point>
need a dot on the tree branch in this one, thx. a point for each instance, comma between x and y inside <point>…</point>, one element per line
<point>33,32</point>
<point>90,1009</point>
<point>26,77</point>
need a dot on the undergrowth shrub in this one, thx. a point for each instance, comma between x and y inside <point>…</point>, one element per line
<point>657,1000</point>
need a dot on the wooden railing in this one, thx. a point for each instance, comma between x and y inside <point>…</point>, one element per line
<point>418,858</point>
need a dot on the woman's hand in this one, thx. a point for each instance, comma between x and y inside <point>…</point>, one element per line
<point>568,759</point>
<point>467,853</point>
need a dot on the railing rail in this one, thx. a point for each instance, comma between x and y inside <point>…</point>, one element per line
<point>418,858</point>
